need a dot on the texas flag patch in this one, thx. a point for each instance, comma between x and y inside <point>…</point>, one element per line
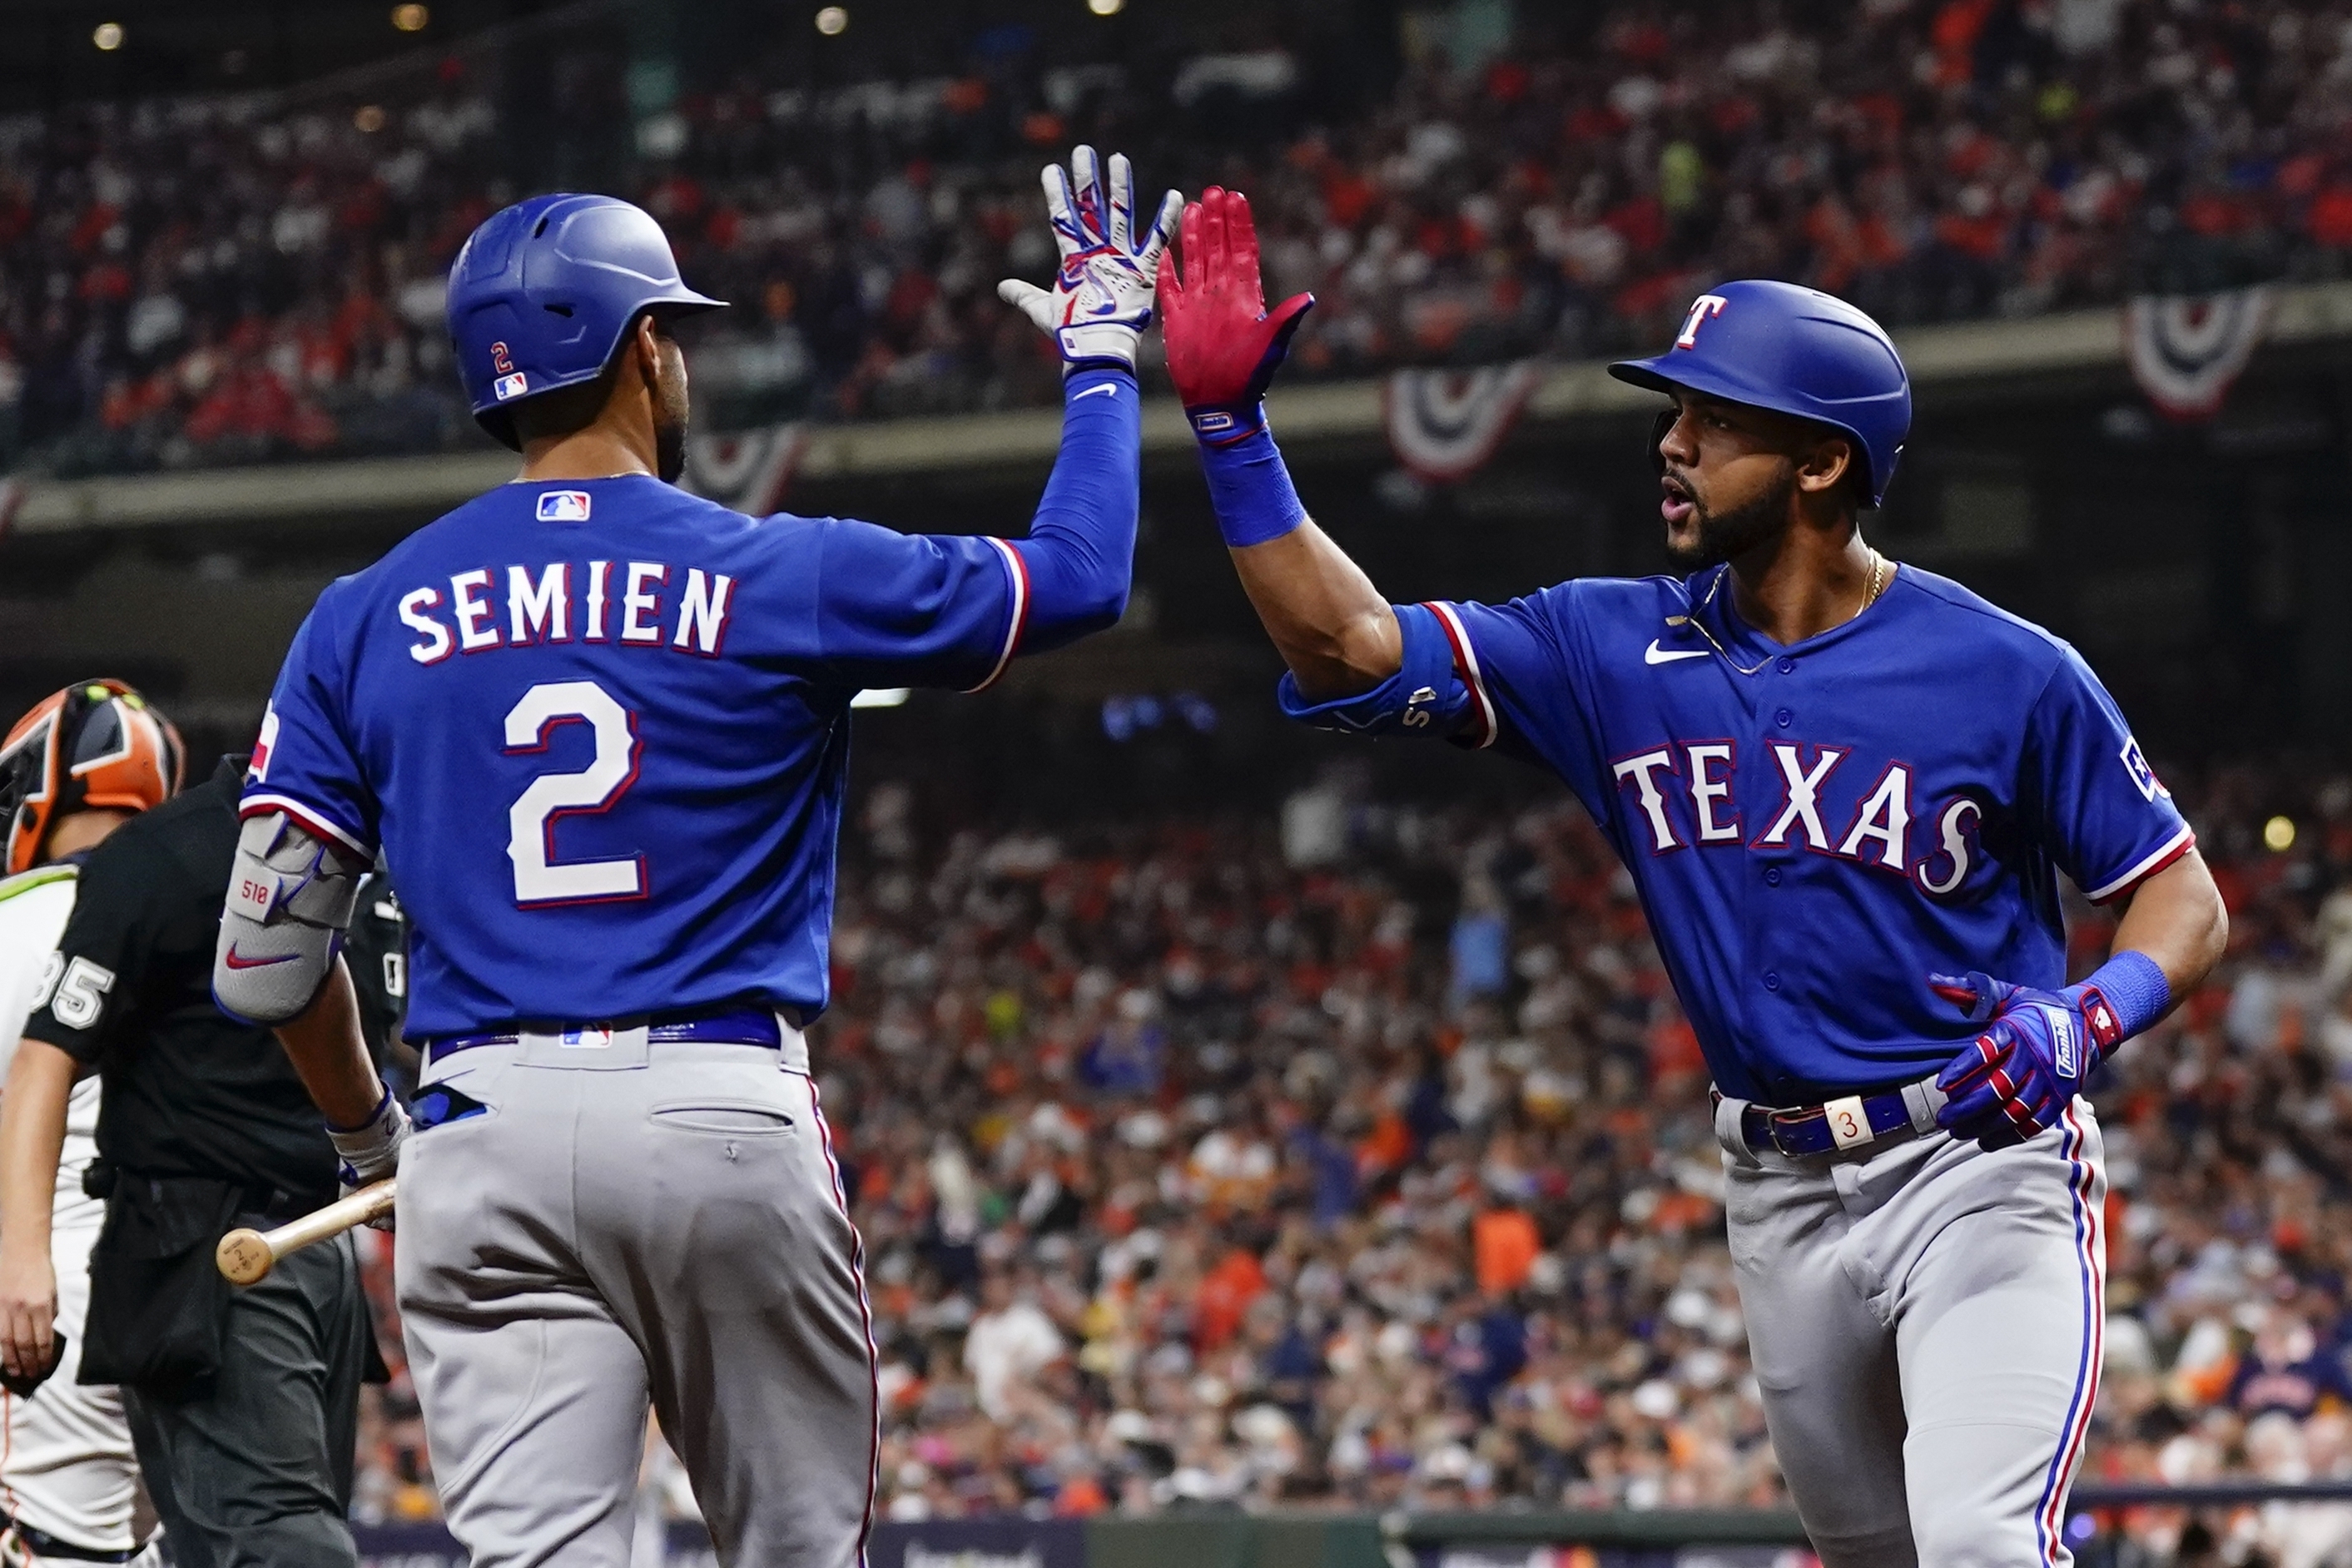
<point>563,506</point>
<point>510,386</point>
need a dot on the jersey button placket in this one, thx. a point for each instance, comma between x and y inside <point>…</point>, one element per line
<point>1771,876</point>
<point>1784,717</point>
<point>1787,667</point>
<point>1771,980</point>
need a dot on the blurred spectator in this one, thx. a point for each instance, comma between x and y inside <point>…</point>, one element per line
<point>1352,1242</point>
<point>204,280</point>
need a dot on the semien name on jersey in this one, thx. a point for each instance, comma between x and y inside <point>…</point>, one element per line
<point>640,604</point>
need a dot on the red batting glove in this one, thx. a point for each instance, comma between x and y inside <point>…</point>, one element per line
<point>1223,345</point>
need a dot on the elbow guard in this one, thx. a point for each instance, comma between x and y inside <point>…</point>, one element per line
<point>1424,696</point>
<point>290,901</point>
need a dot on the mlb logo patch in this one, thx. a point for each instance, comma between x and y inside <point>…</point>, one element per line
<point>510,386</point>
<point>563,506</point>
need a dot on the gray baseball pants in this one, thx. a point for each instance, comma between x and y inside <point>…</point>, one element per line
<point>630,1223</point>
<point>1925,1319</point>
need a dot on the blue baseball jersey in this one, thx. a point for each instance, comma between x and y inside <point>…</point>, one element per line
<point>600,730</point>
<point>1815,828</point>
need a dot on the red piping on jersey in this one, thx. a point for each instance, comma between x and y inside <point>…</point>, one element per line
<point>1465,664</point>
<point>1018,571</point>
<point>310,819</point>
<point>2182,844</point>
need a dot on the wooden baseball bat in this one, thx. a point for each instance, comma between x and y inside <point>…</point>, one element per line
<point>247,1256</point>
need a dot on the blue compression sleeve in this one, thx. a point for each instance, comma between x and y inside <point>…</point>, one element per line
<point>1250,487</point>
<point>1079,556</point>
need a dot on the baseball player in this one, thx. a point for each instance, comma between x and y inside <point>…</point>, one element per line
<point>1845,791</point>
<point>598,728</point>
<point>82,763</point>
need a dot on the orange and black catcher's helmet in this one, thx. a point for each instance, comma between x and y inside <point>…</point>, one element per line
<point>96,745</point>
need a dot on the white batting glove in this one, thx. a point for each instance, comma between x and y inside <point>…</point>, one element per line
<point>1102,293</point>
<point>370,1153</point>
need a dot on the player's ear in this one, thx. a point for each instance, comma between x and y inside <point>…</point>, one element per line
<point>644,344</point>
<point>1823,465</point>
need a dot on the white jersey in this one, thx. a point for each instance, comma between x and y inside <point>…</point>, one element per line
<point>33,910</point>
<point>66,1467</point>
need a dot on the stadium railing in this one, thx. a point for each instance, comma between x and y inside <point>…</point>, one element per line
<point>1625,1538</point>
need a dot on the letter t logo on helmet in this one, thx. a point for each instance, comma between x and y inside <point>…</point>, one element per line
<point>1795,351</point>
<point>1703,307</point>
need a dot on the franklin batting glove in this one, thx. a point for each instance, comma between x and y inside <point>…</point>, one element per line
<point>2016,1078</point>
<point>370,1153</point>
<point>1102,294</point>
<point>1223,344</point>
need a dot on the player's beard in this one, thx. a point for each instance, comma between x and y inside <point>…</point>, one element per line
<point>669,450</point>
<point>1722,536</point>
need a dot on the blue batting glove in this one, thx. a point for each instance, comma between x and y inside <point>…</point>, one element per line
<point>2039,1047</point>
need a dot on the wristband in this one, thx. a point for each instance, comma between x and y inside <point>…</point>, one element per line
<point>2136,991</point>
<point>1251,489</point>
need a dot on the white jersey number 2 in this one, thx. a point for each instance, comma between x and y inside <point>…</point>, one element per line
<point>530,822</point>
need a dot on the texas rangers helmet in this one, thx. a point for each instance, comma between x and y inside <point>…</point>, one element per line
<point>1797,351</point>
<point>544,291</point>
<point>95,743</point>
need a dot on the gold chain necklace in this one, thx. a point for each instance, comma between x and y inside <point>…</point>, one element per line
<point>1869,597</point>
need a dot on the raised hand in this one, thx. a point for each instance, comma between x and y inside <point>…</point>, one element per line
<point>1223,344</point>
<point>1102,294</point>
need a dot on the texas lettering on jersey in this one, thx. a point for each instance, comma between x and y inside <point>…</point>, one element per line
<point>1814,830</point>
<point>1685,797</point>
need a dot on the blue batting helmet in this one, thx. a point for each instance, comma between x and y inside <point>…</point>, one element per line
<point>544,291</point>
<point>1797,351</point>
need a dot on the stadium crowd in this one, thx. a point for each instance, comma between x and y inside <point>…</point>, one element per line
<point>1363,1160</point>
<point>232,280</point>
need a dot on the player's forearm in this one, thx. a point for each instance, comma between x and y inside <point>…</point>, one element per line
<point>331,1056</point>
<point>2176,918</point>
<point>1079,556</point>
<point>32,1139</point>
<point>1332,627</point>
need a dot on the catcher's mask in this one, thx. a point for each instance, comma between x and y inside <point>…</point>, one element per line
<point>96,745</point>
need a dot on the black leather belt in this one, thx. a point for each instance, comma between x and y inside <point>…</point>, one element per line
<point>728,1026</point>
<point>1838,1126</point>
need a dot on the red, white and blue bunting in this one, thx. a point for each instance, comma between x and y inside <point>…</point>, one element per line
<point>2187,350</point>
<point>1444,425</point>
<point>749,470</point>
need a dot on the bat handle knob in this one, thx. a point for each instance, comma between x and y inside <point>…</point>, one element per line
<point>244,1256</point>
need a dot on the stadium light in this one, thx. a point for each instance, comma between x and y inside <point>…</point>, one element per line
<point>410,18</point>
<point>108,37</point>
<point>833,21</point>
<point>1105,7</point>
<point>2278,834</point>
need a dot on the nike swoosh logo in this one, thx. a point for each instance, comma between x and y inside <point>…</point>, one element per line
<point>235,961</point>
<point>1109,388</point>
<point>1653,654</point>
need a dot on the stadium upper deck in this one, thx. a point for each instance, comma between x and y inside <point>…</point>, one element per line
<point>228,279</point>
